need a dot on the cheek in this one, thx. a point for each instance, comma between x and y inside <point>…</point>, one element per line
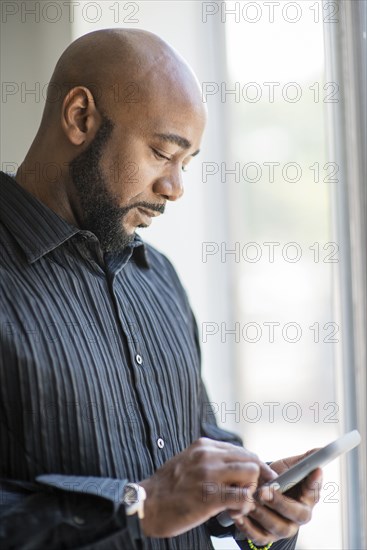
<point>127,174</point>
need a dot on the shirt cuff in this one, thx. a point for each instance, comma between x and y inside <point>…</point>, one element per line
<point>111,490</point>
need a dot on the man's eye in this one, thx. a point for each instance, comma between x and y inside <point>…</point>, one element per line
<point>159,155</point>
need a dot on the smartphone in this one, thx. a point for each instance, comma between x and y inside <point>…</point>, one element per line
<point>297,473</point>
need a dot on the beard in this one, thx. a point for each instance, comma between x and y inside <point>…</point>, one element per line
<point>100,211</point>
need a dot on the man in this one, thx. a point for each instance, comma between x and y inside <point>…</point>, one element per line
<point>100,369</point>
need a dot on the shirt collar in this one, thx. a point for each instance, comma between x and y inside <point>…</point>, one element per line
<point>37,229</point>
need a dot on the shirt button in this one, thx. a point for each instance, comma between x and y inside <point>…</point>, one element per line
<point>139,359</point>
<point>160,443</point>
<point>78,520</point>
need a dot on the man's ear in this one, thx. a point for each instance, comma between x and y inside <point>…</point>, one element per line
<point>79,116</point>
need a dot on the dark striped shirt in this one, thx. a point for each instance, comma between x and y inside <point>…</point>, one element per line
<point>100,379</point>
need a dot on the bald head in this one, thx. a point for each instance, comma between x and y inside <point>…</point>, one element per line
<point>123,119</point>
<point>123,67</point>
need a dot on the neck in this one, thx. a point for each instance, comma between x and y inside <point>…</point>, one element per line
<point>47,179</point>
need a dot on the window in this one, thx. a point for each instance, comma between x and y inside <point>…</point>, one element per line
<point>285,252</point>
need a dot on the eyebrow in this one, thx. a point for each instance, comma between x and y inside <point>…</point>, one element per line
<point>177,140</point>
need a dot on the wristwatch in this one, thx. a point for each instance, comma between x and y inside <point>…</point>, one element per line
<point>133,498</point>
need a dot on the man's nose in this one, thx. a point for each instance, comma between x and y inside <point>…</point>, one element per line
<point>169,186</point>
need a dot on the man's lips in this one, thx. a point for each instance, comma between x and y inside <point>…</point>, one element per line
<point>147,215</point>
<point>148,212</point>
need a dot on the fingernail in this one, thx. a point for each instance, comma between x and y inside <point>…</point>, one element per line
<point>267,493</point>
<point>273,473</point>
<point>240,521</point>
<point>314,486</point>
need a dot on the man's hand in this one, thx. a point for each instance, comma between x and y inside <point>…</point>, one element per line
<point>279,516</point>
<point>205,479</point>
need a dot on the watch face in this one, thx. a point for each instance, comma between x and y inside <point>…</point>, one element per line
<point>130,494</point>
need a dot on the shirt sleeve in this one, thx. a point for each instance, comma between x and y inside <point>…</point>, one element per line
<point>59,511</point>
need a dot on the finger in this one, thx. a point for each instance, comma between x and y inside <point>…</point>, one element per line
<point>254,532</point>
<point>266,473</point>
<point>273,524</point>
<point>237,501</point>
<point>240,453</point>
<point>285,463</point>
<point>263,480</point>
<point>311,488</point>
<point>307,490</point>
<point>292,460</point>
<point>241,485</point>
<point>234,452</point>
<point>240,498</point>
<point>226,451</point>
<point>236,515</point>
<point>286,509</point>
<point>242,474</point>
<point>217,444</point>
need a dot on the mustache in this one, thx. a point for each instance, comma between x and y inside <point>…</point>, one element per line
<point>148,205</point>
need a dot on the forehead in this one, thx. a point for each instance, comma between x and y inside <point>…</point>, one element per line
<point>164,115</point>
<point>187,121</point>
